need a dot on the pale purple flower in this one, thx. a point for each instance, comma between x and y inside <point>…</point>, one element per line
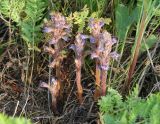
<point>59,21</point>
<point>114,40</point>
<point>83,37</point>
<point>80,39</point>
<point>103,52</point>
<point>79,44</point>
<point>58,27</point>
<point>90,24</point>
<point>53,80</point>
<point>47,30</point>
<point>73,47</point>
<point>104,67</point>
<point>114,55</point>
<point>93,23</point>
<point>44,85</point>
<point>92,39</point>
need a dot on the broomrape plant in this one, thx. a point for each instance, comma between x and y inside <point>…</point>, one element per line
<point>102,53</point>
<point>59,29</point>
<point>78,49</point>
<point>95,26</point>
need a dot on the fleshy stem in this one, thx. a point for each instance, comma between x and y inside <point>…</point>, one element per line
<point>96,26</point>
<point>78,78</point>
<point>59,29</point>
<point>103,55</point>
<point>57,47</point>
<point>78,49</point>
<point>54,90</point>
<point>103,82</point>
<point>98,80</point>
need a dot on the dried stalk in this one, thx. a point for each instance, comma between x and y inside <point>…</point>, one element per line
<point>136,53</point>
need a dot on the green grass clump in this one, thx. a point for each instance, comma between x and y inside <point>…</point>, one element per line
<point>10,120</point>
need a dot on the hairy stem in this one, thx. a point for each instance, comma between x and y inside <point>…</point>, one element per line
<point>58,70</point>
<point>78,80</point>
<point>103,82</point>
<point>98,71</point>
<point>97,91</point>
<point>54,104</point>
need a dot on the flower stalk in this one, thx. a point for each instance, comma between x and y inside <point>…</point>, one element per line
<point>95,26</point>
<point>59,30</point>
<point>102,53</point>
<point>78,49</point>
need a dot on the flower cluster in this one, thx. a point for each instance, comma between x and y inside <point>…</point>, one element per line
<point>78,47</point>
<point>102,48</point>
<point>58,27</point>
<point>104,43</point>
<point>79,44</point>
<point>103,52</point>
<point>96,26</point>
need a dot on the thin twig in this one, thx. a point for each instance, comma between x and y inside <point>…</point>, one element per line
<point>16,109</point>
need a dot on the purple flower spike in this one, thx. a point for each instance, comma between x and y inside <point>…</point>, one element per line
<point>47,30</point>
<point>114,55</point>
<point>114,40</point>
<point>92,39</point>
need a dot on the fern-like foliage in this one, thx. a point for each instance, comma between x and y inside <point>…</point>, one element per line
<point>133,110</point>
<point>112,101</point>
<point>12,9</point>
<point>9,120</point>
<point>31,24</point>
<point>80,18</point>
<point>28,15</point>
